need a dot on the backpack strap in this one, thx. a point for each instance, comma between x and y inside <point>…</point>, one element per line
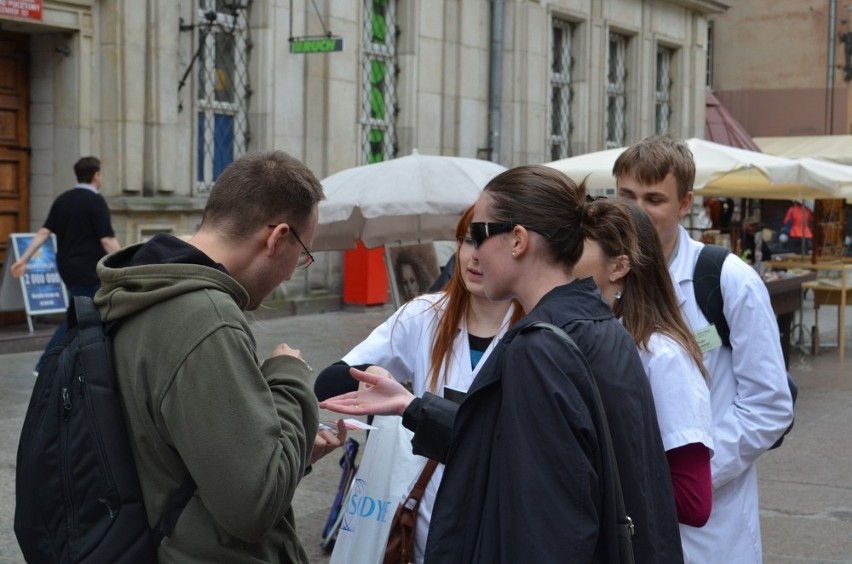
<point>707,284</point>
<point>166,524</point>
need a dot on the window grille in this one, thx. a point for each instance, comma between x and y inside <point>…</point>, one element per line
<point>223,88</point>
<point>561,90</point>
<point>663,95</point>
<point>379,70</point>
<point>616,91</point>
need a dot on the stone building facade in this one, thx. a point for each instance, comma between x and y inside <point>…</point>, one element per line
<point>167,92</point>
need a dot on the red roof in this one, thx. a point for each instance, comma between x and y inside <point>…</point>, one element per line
<point>721,127</point>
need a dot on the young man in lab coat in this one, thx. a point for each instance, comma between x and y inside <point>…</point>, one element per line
<point>750,398</point>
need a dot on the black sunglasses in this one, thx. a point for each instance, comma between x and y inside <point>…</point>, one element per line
<point>480,231</point>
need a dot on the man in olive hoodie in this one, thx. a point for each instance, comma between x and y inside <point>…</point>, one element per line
<point>196,399</point>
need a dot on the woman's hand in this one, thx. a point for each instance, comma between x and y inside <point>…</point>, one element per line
<point>381,395</point>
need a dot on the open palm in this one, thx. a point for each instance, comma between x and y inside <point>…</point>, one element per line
<point>379,394</point>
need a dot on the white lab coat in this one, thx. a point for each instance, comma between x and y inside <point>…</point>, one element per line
<point>681,397</point>
<point>750,400</point>
<point>403,345</point>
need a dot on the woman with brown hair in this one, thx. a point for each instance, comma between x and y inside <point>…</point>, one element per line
<point>527,467</point>
<point>623,253</point>
<point>436,341</point>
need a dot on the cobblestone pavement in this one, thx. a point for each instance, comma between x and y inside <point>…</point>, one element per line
<point>805,486</point>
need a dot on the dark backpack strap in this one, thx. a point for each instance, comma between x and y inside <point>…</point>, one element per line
<point>707,283</point>
<point>83,314</point>
<point>166,525</point>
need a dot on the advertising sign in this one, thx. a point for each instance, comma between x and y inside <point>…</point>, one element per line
<point>42,288</point>
<point>27,9</point>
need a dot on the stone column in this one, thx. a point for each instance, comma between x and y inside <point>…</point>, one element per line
<point>163,172</point>
<point>123,75</point>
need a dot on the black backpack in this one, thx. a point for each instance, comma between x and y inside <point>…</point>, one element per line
<point>707,283</point>
<point>77,491</point>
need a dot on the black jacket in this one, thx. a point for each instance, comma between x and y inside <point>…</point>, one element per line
<point>523,454</point>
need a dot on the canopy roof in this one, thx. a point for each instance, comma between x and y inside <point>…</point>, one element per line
<point>837,148</point>
<point>721,127</point>
<point>722,170</point>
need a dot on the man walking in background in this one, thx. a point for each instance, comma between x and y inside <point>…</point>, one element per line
<point>81,221</point>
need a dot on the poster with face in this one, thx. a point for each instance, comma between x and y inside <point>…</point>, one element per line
<point>413,269</point>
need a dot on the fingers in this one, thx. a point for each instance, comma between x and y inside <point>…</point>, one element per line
<point>378,371</point>
<point>341,405</point>
<point>368,377</point>
<point>328,441</point>
<point>285,349</point>
<point>324,443</point>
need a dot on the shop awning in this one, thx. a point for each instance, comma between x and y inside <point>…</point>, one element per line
<point>721,127</point>
<point>837,148</point>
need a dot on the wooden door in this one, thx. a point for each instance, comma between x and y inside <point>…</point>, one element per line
<point>14,143</point>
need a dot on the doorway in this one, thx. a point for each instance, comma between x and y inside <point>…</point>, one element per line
<point>14,146</point>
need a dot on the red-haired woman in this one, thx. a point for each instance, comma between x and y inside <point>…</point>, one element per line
<point>435,341</point>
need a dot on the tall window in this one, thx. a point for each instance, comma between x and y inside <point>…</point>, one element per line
<point>222,88</point>
<point>708,79</point>
<point>379,105</point>
<point>616,91</point>
<point>663,94</point>
<point>561,91</point>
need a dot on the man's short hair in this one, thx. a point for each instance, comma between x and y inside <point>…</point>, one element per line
<point>260,189</point>
<point>653,158</point>
<point>86,168</point>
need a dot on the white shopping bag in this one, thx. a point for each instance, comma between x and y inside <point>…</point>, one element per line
<point>386,473</point>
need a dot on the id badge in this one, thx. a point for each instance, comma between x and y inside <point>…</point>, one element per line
<point>708,338</point>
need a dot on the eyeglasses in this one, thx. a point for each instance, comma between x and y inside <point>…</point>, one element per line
<point>306,259</point>
<point>480,231</point>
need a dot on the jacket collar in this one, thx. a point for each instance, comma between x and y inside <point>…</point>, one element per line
<point>579,300</point>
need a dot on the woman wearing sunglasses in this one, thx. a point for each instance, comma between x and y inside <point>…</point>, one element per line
<point>524,471</point>
<point>436,341</point>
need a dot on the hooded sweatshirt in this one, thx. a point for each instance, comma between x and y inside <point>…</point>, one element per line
<point>197,402</point>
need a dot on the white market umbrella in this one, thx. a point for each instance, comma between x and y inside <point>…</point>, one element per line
<point>595,169</point>
<point>838,177</point>
<point>416,198</point>
<point>720,170</point>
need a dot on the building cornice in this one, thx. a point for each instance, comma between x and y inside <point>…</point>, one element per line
<point>703,6</point>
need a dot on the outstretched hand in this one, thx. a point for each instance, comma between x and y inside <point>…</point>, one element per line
<point>381,394</point>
